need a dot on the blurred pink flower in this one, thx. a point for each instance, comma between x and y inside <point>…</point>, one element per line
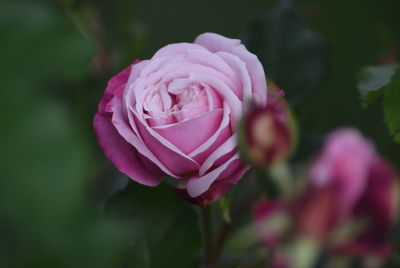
<point>349,183</point>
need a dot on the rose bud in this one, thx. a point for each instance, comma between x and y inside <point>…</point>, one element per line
<point>352,191</point>
<point>176,114</point>
<point>268,132</point>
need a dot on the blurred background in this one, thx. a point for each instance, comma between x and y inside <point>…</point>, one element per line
<point>63,205</point>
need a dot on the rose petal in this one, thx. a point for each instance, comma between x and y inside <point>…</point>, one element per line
<point>198,185</point>
<point>171,156</point>
<point>177,49</point>
<point>114,87</point>
<point>241,71</point>
<point>212,60</point>
<point>216,43</point>
<point>224,149</point>
<point>125,131</point>
<point>214,141</point>
<point>221,186</point>
<point>381,192</point>
<point>225,92</point>
<point>189,134</point>
<point>121,154</point>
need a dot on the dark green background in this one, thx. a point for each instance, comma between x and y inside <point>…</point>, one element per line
<point>58,206</point>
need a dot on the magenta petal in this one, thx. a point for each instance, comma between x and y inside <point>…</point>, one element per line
<point>189,134</point>
<point>381,193</point>
<point>379,206</point>
<point>115,87</point>
<point>121,153</point>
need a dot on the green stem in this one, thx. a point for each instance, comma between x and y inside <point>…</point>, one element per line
<point>220,241</point>
<point>206,225</point>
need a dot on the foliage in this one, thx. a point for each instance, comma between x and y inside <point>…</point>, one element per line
<point>383,82</point>
<point>63,205</point>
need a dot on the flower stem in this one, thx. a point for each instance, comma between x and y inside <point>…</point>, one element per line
<point>206,225</point>
<point>220,241</point>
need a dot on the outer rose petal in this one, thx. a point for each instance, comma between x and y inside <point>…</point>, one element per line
<point>116,87</point>
<point>198,185</point>
<point>116,149</point>
<point>216,43</point>
<point>176,49</point>
<point>123,128</point>
<point>122,154</point>
<point>217,189</point>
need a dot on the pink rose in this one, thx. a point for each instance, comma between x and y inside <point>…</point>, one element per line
<point>176,114</point>
<point>350,184</point>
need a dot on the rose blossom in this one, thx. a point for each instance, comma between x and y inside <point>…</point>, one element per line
<point>350,185</point>
<point>176,115</point>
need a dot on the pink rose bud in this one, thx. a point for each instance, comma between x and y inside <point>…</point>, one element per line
<point>351,188</point>
<point>176,115</point>
<point>268,132</point>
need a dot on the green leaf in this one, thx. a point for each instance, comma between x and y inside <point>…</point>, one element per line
<point>372,79</point>
<point>292,54</point>
<point>164,229</point>
<point>391,106</point>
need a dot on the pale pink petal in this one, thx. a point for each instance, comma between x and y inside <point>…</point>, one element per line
<point>227,147</point>
<point>220,187</point>
<point>189,134</point>
<point>225,92</point>
<point>212,60</point>
<point>214,101</point>
<point>198,185</point>
<point>241,71</point>
<point>135,72</point>
<point>214,141</point>
<point>168,154</point>
<point>176,49</point>
<point>216,43</point>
